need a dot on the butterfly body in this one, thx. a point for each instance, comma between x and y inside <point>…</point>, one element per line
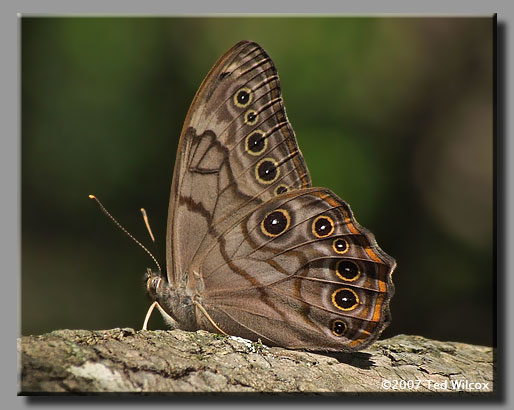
<point>252,249</point>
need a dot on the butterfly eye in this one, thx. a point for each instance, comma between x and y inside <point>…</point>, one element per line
<point>281,189</point>
<point>251,117</point>
<point>338,327</point>
<point>275,223</point>
<point>347,270</point>
<point>153,284</point>
<point>322,226</point>
<point>243,97</point>
<point>345,299</point>
<point>340,246</point>
<point>266,171</point>
<point>256,144</point>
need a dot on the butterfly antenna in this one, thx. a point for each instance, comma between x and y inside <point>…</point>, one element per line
<point>127,232</point>
<point>147,223</point>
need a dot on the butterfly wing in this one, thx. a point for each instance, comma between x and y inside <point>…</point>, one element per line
<point>237,150</point>
<point>259,252</point>
<point>299,272</point>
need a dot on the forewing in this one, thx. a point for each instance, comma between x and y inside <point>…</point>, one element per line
<point>237,150</point>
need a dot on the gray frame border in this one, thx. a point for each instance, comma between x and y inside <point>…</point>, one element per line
<point>11,178</point>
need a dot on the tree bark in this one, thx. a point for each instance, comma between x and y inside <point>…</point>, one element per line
<point>124,360</point>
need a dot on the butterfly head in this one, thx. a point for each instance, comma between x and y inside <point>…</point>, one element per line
<point>175,304</point>
<point>154,281</point>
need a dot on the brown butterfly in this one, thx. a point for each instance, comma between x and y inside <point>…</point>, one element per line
<point>252,249</point>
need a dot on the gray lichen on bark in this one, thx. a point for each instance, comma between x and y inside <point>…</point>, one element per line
<point>124,360</point>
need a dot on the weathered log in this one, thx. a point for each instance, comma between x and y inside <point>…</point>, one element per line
<point>124,360</point>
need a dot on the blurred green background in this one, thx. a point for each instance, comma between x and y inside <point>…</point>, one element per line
<point>395,115</point>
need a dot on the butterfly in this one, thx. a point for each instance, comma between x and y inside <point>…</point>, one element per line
<point>252,249</point>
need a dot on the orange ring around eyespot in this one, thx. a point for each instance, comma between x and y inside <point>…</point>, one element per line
<point>314,226</point>
<point>247,113</point>
<point>262,181</point>
<point>250,99</point>
<point>247,148</point>
<point>281,186</point>
<point>347,279</point>
<point>288,222</point>
<point>338,321</point>
<point>345,249</point>
<point>357,301</point>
